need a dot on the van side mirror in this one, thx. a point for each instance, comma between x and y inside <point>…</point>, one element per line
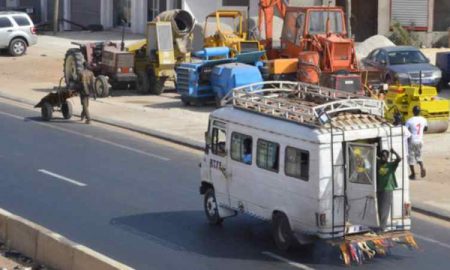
<point>383,62</point>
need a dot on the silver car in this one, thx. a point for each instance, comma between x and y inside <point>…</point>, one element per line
<point>403,64</point>
<point>17,32</point>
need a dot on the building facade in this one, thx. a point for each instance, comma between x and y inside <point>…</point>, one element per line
<point>428,18</point>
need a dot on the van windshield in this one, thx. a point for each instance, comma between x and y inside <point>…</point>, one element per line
<point>318,22</point>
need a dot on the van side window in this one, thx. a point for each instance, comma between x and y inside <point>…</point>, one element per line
<point>241,148</point>
<point>297,163</point>
<point>267,155</point>
<point>21,21</point>
<point>218,144</point>
<point>5,22</point>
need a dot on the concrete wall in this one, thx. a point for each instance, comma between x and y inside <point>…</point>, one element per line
<point>49,248</point>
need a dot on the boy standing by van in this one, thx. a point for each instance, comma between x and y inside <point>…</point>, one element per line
<point>386,183</point>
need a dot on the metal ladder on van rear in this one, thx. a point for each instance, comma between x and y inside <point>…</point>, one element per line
<point>333,182</point>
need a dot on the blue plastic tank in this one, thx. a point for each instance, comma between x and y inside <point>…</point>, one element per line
<point>225,77</point>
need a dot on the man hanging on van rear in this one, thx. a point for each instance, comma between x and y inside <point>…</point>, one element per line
<point>386,183</point>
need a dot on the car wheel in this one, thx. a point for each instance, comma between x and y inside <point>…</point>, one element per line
<point>211,208</point>
<point>17,47</point>
<point>281,231</point>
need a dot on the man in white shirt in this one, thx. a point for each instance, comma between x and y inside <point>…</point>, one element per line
<point>416,126</point>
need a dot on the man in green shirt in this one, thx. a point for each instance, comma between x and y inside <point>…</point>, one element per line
<point>386,183</point>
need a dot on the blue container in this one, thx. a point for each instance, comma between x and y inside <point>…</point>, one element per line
<point>225,77</point>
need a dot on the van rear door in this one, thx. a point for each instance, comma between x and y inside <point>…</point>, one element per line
<point>361,184</point>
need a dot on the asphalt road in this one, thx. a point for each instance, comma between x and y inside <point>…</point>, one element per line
<point>136,200</point>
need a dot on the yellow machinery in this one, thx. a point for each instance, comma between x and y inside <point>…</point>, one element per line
<point>225,28</point>
<point>401,99</point>
<point>168,43</point>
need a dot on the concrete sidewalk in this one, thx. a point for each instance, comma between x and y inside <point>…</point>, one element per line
<point>165,117</point>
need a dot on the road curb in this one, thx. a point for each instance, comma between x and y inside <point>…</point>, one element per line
<point>431,211</point>
<point>49,248</point>
<point>121,124</point>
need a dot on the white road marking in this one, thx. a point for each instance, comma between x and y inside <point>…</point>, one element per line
<point>424,238</point>
<point>291,263</point>
<point>62,178</point>
<point>91,137</point>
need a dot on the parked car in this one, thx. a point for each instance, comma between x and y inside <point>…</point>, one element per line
<point>403,64</point>
<point>17,32</point>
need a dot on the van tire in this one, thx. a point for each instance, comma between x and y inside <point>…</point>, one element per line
<point>211,208</point>
<point>17,47</point>
<point>282,232</point>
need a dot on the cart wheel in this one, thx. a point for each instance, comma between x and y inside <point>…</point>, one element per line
<point>66,110</point>
<point>46,111</point>
<point>102,86</point>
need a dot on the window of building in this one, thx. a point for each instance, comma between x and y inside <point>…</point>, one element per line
<point>242,3</point>
<point>155,7</point>
<point>5,22</point>
<point>122,13</point>
<point>218,141</point>
<point>241,148</point>
<point>21,21</point>
<point>267,155</point>
<point>297,163</point>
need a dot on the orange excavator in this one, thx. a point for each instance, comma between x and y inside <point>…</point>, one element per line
<point>315,47</point>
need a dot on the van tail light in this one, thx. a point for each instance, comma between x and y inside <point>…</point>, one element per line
<point>321,219</point>
<point>33,30</point>
<point>407,209</point>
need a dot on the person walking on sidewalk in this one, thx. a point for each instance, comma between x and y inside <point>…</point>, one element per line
<point>88,81</point>
<point>416,126</point>
<point>386,183</point>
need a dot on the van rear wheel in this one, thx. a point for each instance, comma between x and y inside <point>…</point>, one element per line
<point>211,208</point>
<point>282,233</point>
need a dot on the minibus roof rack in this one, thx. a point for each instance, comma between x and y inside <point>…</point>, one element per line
<point>300,102</point>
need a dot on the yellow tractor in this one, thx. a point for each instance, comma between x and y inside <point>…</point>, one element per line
<point>225,28</point>
<point>168,43</point>
<point>401,99</point>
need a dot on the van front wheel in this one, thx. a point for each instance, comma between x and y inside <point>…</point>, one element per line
<point>282,233</point>
<point>211,208</point>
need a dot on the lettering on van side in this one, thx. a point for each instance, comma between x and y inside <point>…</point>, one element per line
<point>215,164</point>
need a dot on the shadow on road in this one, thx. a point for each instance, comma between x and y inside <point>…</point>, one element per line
<point>239,238</point>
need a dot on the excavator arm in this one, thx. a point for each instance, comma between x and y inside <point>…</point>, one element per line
<point>265,16</point>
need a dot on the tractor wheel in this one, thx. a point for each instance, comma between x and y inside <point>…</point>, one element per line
<point>142,82</point>
<point>156,83</point>
<point>73,65</point>
<point>46,111</point>
<point>17,47</point>
<point>102,86</point>
<point>66,110</point>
